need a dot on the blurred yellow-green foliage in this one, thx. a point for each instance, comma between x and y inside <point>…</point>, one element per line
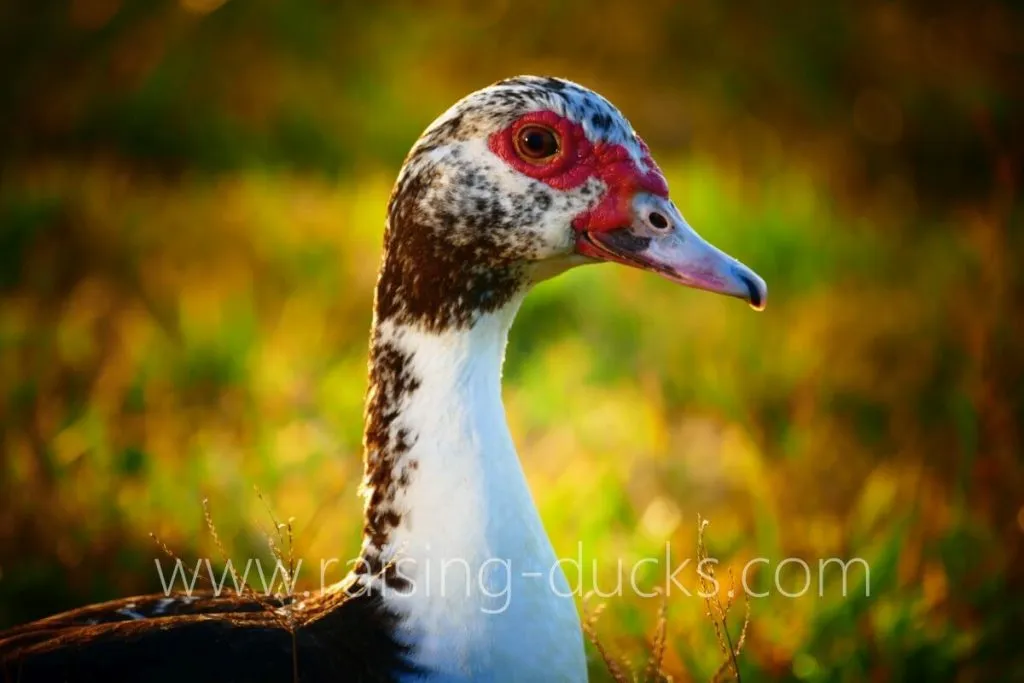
<point>192,201</point>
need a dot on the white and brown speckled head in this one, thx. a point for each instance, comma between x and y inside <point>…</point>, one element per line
<point>519,181</point>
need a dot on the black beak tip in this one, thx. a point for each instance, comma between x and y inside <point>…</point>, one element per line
<point>754,294</point>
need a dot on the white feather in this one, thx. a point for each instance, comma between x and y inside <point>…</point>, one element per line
<point>488,601</point>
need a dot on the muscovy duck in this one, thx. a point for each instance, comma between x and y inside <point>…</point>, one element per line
<point>456,578</point>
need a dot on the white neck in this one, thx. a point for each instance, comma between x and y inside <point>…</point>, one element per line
<point>486,599</point>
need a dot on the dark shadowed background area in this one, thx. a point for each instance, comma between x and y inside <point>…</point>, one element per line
<point>191,209</point>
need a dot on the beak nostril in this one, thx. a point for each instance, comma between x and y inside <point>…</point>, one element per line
<point>657,220</point>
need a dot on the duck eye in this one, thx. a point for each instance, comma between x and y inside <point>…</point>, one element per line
<point>536,143</point>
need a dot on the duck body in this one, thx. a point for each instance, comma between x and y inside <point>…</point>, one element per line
<point>456,578</point>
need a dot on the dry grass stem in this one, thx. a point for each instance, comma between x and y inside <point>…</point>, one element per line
<point>589,623</point>
<point>717,612</point>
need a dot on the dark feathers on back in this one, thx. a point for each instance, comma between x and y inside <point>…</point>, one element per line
<point>230,639</point>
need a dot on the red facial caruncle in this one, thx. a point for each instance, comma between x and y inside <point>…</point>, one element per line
<point>577,160</point>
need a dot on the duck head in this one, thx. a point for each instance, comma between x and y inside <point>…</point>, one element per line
<point>520,181</point>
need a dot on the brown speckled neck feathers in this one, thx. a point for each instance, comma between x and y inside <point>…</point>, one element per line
<point>391,382</point>
<point>441,269</point>
<point>451,254</point>
<point>444,263</point>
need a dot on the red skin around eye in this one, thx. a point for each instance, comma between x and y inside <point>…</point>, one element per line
<point>577,160</point>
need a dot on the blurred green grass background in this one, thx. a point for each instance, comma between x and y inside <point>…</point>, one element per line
<point>191,209</point>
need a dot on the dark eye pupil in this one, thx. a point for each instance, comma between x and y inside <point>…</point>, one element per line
<point>537,143</point>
